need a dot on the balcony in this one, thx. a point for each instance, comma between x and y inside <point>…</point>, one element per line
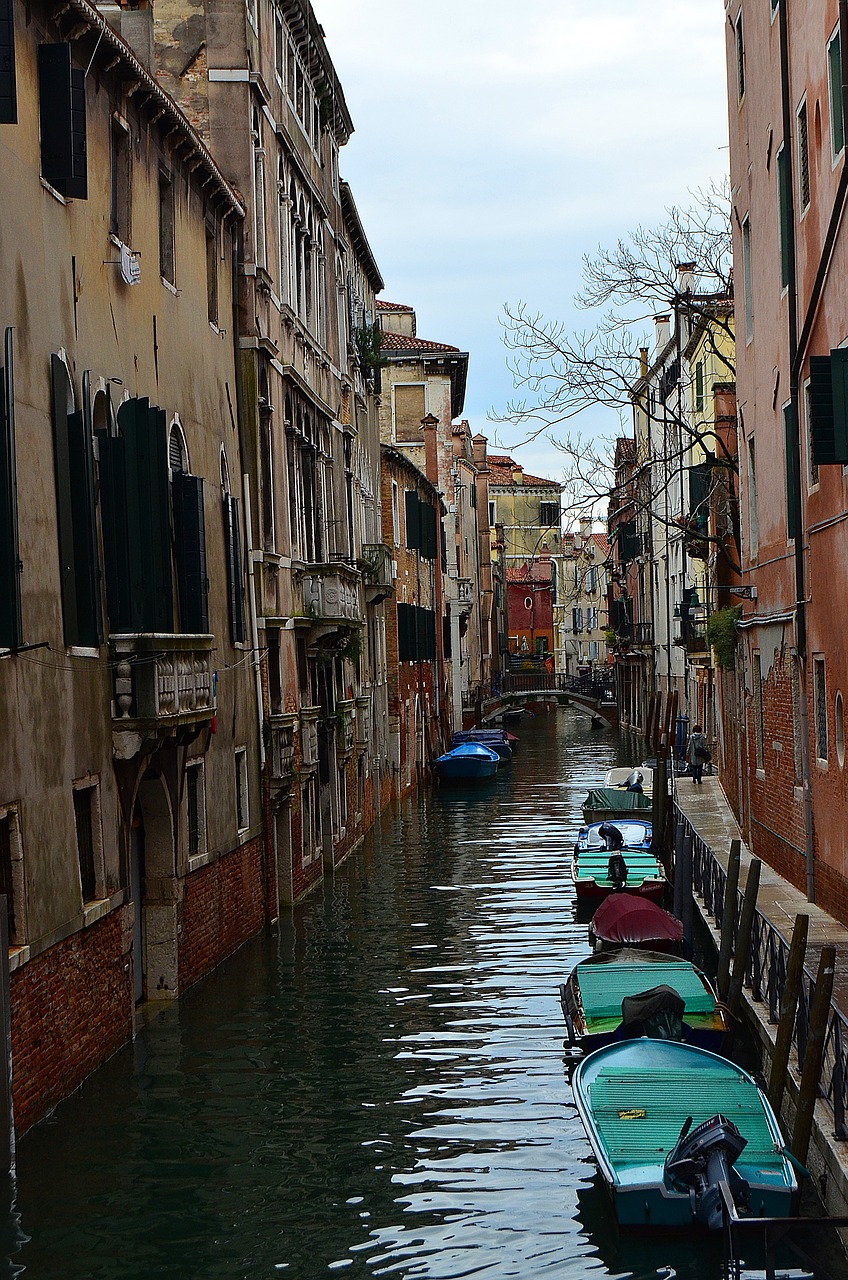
<point>281,749</point>
<point>362,727</point>
<point>163,682</point>
<point>345,714</point>
<point>309,736</point>
<point>328,594</point>
<point>376,565</point>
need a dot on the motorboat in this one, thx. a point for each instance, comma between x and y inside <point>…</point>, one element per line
<point>597,869</point>
<point>669,1122</point>
<point>497,740</point>
<point>617,995</point>
<point>614,802</point>
<point>628,920</point>
<point>639,778</point>
<point>469,762</point>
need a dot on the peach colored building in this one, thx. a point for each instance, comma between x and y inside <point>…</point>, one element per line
<point>789,184</point>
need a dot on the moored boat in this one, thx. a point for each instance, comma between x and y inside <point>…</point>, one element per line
<point>469,762</point>
<point>618,995</point>
<point>614,802</point>
<point>591,869</point>
<point>625,920</point>
<point>667,1122</point>
<point>497,740</point>
<point>632,776</point>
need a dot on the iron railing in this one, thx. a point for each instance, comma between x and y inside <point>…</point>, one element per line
<point>766,977</point>
<point>591,684</point>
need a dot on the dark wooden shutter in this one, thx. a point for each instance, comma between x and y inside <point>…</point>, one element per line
<point>235,573</point>
<point>429,532</point>
<point>790,436</point>
<point>446,637</point>
<point>75,517</point>
<point>8,90</point>
<point>113,515</point>
<point>839,381</point>
<point>413,520</point>
<point>407,633</point>
<point>62,115</point>
<point>829,408</point>
<point>11,631</point>
<point>425,633</point>
<point>190,553</point>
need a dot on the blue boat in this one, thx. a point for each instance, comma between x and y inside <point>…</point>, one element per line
<point>590,868</point>
<point>669,1123</point>
<point>469,762</point>
<point>495,739</point>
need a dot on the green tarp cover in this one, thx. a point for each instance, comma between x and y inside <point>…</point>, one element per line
<point>616,800</point>
<point>604,986</point>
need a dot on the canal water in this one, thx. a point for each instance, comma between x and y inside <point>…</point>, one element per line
<point>377,1087</point>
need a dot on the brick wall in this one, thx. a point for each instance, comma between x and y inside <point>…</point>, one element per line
<point>72,1008</point>
<point>222,907</point>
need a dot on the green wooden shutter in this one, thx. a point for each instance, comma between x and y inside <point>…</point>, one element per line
<point>8,88</point>
<point>190,553</point>
<point>113,516</point>
<point>413,520</point>
<point>235,572</point>
<point>783,215</point>
<point>839,379</point>
<point>407,633</point>
<point>429,531</point>
<point>829,408</point>
<point>11,629</point>
<point>790,436</point>
<point>62,115</point>
<point>86,559</point>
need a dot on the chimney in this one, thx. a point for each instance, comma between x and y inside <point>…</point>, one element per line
<point>479,445</point>
<point>685,277</point>
<point>643,362</point>
<point>517,473</point>
<point>431,451</point>
<point>135,24</point>
<point>662,326</point>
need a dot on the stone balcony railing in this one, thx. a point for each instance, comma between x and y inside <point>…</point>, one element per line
<point>345,714</point>
<point>309,717</point>
<point>281,748</point>
<point>362,728</point>
<point>162,680</point>
<point>328,593</point>
<point>465,593</point>
<point>376,563</point>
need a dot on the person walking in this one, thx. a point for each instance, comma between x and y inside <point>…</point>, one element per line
<point>697,753</point>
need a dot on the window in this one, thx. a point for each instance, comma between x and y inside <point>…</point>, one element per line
<point>493,513</point>
<point>242,790</point>
<point>309,820</point>
<point>837,114</point>
<point>784,222</point>
<point>89,839</point>
<point>747,277</point>
<point>279,48</point>
<point>740,58</point>
<point>79,563</point>
<point>395,513</point>
<point>11,873</point>
<point>62,116</point>
<point>699,386</point>
<point>120,216</point>
<point>11,633</point>
<point>8,89</point>
<point>409,408</point>
<point>212,272</point>
<point>759,723</point>
<point>803,157</point>
<point>549,514</point>
<point>753,516</point>
<point>195,787</point>
<point>342,798</point>
<point>167,264</point>
<point>820,687</point>
<point>235,571</point>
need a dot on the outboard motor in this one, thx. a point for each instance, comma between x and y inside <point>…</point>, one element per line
<point>701,1160</point>
<point>617,871</point>
<point>633,782</point>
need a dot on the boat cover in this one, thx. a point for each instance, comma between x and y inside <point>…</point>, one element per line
<point>605,981</point>
<point>615,800</point>
<point>657,1013</point>
<point>626,919</point>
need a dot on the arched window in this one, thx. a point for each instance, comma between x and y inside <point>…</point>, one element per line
<point>225,472</point>
<point>177,451</point>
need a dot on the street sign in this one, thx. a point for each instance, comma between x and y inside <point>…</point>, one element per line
<point>747,593</point>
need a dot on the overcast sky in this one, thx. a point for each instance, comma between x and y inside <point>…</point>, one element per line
<point>497,142</point>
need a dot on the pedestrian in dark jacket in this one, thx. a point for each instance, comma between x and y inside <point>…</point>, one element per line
<point>697,753</point>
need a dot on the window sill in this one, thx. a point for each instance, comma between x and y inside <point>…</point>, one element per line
<point>18,956</point>
<point>822,764</point>
<point>95,910</point>
<point>53,192</point>
<point>81,651</point>
<point>761,774</point>
<point>198,860</point>
<point>172,288</point>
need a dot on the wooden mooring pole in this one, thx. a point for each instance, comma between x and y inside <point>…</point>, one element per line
<point>788,1010</point>
<point>813,1055</point>
<point>743,937</point>
<point>728,919</point>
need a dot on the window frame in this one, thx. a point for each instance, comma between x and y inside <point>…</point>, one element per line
<point>242,790</point>
<point>835,107</point>
<point>196,770</point>
<point>822,730</point>
<point>739,31</point>
<point>802,135</point>
<point>167,228</point>
<point>17,923</point>
<point>91,784</point>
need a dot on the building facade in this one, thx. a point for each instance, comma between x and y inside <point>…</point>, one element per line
<point>581,616</point>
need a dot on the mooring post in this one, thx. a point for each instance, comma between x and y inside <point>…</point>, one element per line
<point>788,1008</point>
<point>660,807</point>
<point>811,1069</point>
<point>743,938</point>
<point>728,919</point>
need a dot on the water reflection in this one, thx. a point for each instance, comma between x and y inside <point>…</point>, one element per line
<point>375,1088</point>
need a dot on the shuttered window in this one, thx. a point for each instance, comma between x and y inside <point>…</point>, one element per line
<point>75,516</point>
<point>820,680</point>
<point>837,115</point>
<point>406,632</point>
<point>135,506</point>
<point>413,520</point>
<point>426,634</point>
<point>8,88</point>
<point>792,470</point>
<point>429,531</point>
<point>84,818</point>
<point>61,86</point>
<point>235,570</point>
<point>783,215</point>
<point>190,553</point>
<point>10,575</point>
<point>803,157</point>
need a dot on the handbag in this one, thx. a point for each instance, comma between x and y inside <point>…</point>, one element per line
<point>701,753</point>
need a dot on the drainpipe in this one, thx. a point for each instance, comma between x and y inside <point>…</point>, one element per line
<point>254,631</point>
<point>796,494</point>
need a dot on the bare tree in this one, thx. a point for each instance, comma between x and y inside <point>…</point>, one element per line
<point>682,268</point>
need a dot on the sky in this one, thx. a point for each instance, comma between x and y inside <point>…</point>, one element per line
<point>498,142</point>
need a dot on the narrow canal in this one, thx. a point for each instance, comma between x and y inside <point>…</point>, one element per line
<point>377,1088</point>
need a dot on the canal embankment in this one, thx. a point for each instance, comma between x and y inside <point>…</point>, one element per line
<point>706,813</point>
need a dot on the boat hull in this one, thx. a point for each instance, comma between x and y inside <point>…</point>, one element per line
<point>634,1098</point>
<point>466,770</point>
<point>589,890</point>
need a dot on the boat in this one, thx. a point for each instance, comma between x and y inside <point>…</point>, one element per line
<point>617,995</point>
<point>626,920</point>
<point>590,867</point>
<point>668,1122</point>
<point>469,762</point>
<point>497,740</point>
<point>633,776</point>
<point>512,715</point>
<point>614,802</point>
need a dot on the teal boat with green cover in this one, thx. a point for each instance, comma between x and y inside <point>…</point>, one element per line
<point>669,1122</point>
<point>601,1000</point>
